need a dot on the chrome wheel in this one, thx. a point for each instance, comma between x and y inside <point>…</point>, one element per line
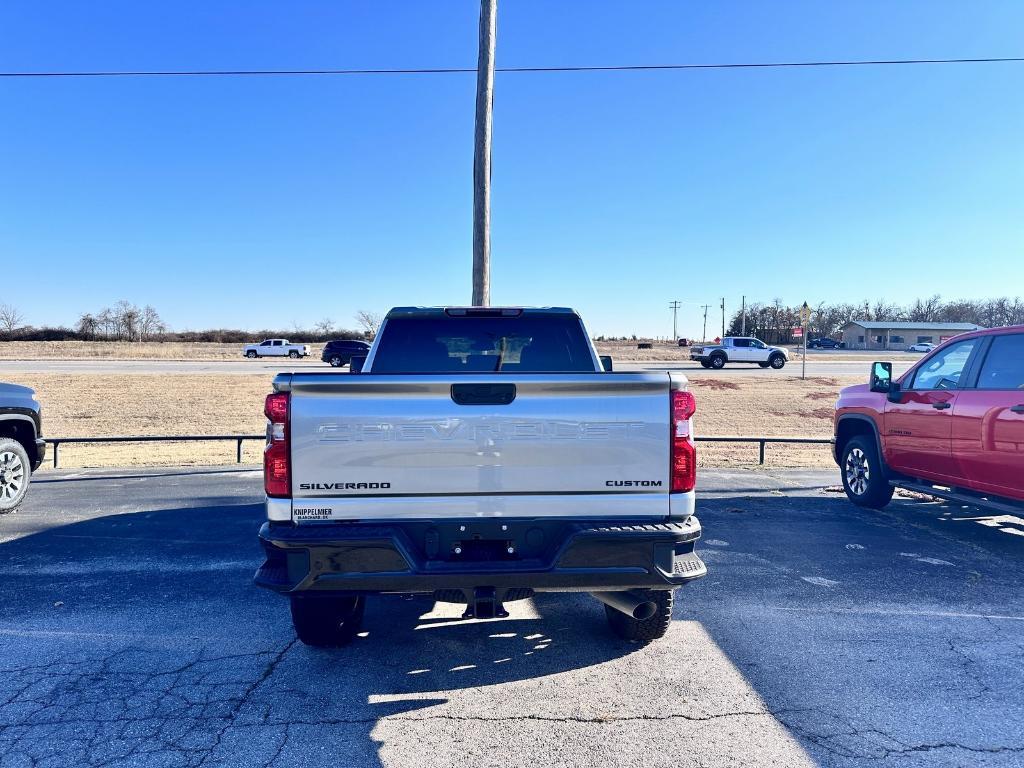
<point>12,476</point>
<point>858,471</point>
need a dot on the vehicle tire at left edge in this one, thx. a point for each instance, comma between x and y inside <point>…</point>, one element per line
<point>15,474</point>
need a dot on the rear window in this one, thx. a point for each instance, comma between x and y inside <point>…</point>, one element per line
<point>521,344</point>
<point>1004,364</point>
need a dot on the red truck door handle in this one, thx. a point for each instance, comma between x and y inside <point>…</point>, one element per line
<point>941,406</point>
<point>1018,408</point>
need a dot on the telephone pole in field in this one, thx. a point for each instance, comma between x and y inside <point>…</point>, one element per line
<point>705,336</point>
<point>482,154</point>
<point>743,327</point>
<point>674,306</point>
<point>723,317</point>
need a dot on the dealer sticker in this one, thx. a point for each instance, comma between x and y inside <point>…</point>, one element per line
<point>313,513</point>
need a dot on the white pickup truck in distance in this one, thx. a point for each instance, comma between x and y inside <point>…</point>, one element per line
<point>739,349</point>
<point>479,456</point>
<point>276,348</point>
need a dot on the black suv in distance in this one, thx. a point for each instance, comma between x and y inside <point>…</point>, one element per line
<point>341,351</point>
<point>825,343</point>
<point>22,448</point>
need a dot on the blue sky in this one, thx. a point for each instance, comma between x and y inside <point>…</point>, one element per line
<point>252,202</point>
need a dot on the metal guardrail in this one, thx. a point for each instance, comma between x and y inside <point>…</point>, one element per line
<point>762,441</point>
<point>56,442</point>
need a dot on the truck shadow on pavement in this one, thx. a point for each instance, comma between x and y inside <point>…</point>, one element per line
<point>138,638</point>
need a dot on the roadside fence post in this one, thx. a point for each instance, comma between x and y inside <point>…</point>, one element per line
<point>56,455</point>
<point>760,452</point>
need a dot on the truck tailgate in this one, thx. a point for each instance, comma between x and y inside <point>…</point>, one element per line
<point>401,447</point>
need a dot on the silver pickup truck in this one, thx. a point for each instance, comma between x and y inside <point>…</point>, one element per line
<point>479,455</point>
<point>739,349</point>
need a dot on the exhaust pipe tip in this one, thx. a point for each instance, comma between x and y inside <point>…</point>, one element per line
<point>628,603</point>
<point>645,611</point>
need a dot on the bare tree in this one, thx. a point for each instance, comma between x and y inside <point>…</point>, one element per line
<point>86,326</point>
<point>370,321</point>
<point>325,327</point>
<point>10,318</point>
<point>150,324</point>
<point>129,320</point>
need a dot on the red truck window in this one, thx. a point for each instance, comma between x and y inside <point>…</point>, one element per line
<point>943,371</point>
<point>1004,364</point>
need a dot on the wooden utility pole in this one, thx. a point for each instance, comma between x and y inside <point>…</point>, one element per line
<point>674,306</point>
<point>723,317</point>
<point>482,154</point>
<point>805,316</point>
<point>705,336</point>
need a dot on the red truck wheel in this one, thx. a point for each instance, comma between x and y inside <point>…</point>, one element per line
<point>861,470</point>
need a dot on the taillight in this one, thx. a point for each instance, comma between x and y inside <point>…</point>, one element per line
<point>683,452</point>
<point>277,455</point>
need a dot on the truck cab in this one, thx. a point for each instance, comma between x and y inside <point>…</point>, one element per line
<point>952,426</point>
<point>480,455</point>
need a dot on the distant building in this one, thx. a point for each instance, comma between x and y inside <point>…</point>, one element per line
<point>864,334</point>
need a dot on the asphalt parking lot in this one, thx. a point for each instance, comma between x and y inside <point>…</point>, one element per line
<point>823,634</point>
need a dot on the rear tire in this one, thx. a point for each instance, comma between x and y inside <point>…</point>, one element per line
<point>861,471</point>
<point>647,630</point>
<point>293,355</point>
<point>327,621</point>
<point>15,474</point>
<point>717,361</point>
<point>336,362</point>
<point>777,362</point>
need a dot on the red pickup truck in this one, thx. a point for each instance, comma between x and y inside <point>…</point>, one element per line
<point>952,426</point>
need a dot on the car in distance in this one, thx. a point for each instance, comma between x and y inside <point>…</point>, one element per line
<point>739,349</point>
<point>481,454</point>
<point>22,448</point>
<point>824,343</point>
<point>341,351</point>
<point>952,426</point>
<point>276,348</point>
<point>683,342</point>
<point>922,347</point>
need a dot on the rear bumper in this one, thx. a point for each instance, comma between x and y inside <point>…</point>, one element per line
<point>464,555</point>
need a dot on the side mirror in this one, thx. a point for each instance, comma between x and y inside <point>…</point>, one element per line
<point>355,365</point>
<point>606,363</point>
<point>881,377</point>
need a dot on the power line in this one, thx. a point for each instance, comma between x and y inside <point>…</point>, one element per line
<point>511,70</point>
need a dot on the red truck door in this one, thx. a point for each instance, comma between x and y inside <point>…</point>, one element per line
<point>919,428</point>
<point>988,421</point>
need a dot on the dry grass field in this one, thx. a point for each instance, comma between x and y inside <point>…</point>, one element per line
<point>123,350</point>
<point>94,405</point>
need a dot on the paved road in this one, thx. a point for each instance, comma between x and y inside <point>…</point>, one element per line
<point>823,634</point>
<point>815,367</point>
